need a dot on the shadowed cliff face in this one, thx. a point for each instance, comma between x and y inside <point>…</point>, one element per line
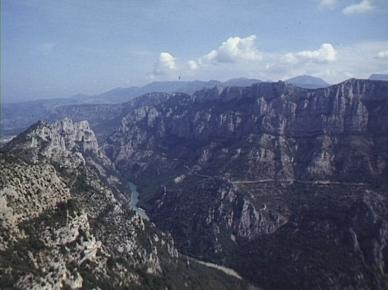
<point>274,130</point>
<point>287,185</point>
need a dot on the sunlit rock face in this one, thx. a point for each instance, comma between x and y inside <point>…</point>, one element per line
<point>66,223</point>
<point>268,178</point>
<point>60,141</point>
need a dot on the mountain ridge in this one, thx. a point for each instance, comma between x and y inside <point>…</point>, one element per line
<point>66,221</point>
<point>307,82</point>
<point>247,177</point>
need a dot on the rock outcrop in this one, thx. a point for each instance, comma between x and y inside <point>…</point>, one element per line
<point>66,223</point>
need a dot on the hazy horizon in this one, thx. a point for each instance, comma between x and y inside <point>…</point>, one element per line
<point>80,94</point>
<point>59,49</point>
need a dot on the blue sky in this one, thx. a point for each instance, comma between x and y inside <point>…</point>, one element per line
<point>60,48</point>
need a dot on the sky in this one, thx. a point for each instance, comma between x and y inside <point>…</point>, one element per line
<point>52,49</point>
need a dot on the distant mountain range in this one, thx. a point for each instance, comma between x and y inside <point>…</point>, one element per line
<point>18,116</point>
<point>308,82</point>
<point>120,95</point>
<point>379,77</point>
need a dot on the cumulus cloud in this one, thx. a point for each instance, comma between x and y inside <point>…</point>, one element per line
<point>192,64</point>
<point>356,60</point>
<point>382,54</point>
<point>326,53</point>
<point>328,3</point>
<point>233,50</point>
<point>164,65</point>
<point>363,7</point>
<point>331,63</point>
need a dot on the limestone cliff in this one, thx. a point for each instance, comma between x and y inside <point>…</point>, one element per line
<point>287,185</point>
<point>66,223</point>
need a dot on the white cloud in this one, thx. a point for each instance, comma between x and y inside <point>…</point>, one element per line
<point>192,64</point>
<point>328,3</point>
<point>363,7</point>
<point>357,60</point>
<point>382,54</point>
<point>164,65</point>
<point>233,50</point>
<point>326,53</point>
<point>331,63</point>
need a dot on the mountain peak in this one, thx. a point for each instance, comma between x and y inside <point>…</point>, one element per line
<point>63,139</point>
<point>307,82</point>
<point>240,82</point>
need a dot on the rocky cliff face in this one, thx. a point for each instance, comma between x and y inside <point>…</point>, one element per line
<point>279,131</point>
<point>62,141</point>
<point>103,118</point>
<point>287,185</point>
<point>66,222</point>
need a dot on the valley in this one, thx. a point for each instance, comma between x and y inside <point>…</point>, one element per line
<point>134,200</point>
<point>236,175</point>
<point>244,179</point>
<point>194,145</point>
<point>62,208</point>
